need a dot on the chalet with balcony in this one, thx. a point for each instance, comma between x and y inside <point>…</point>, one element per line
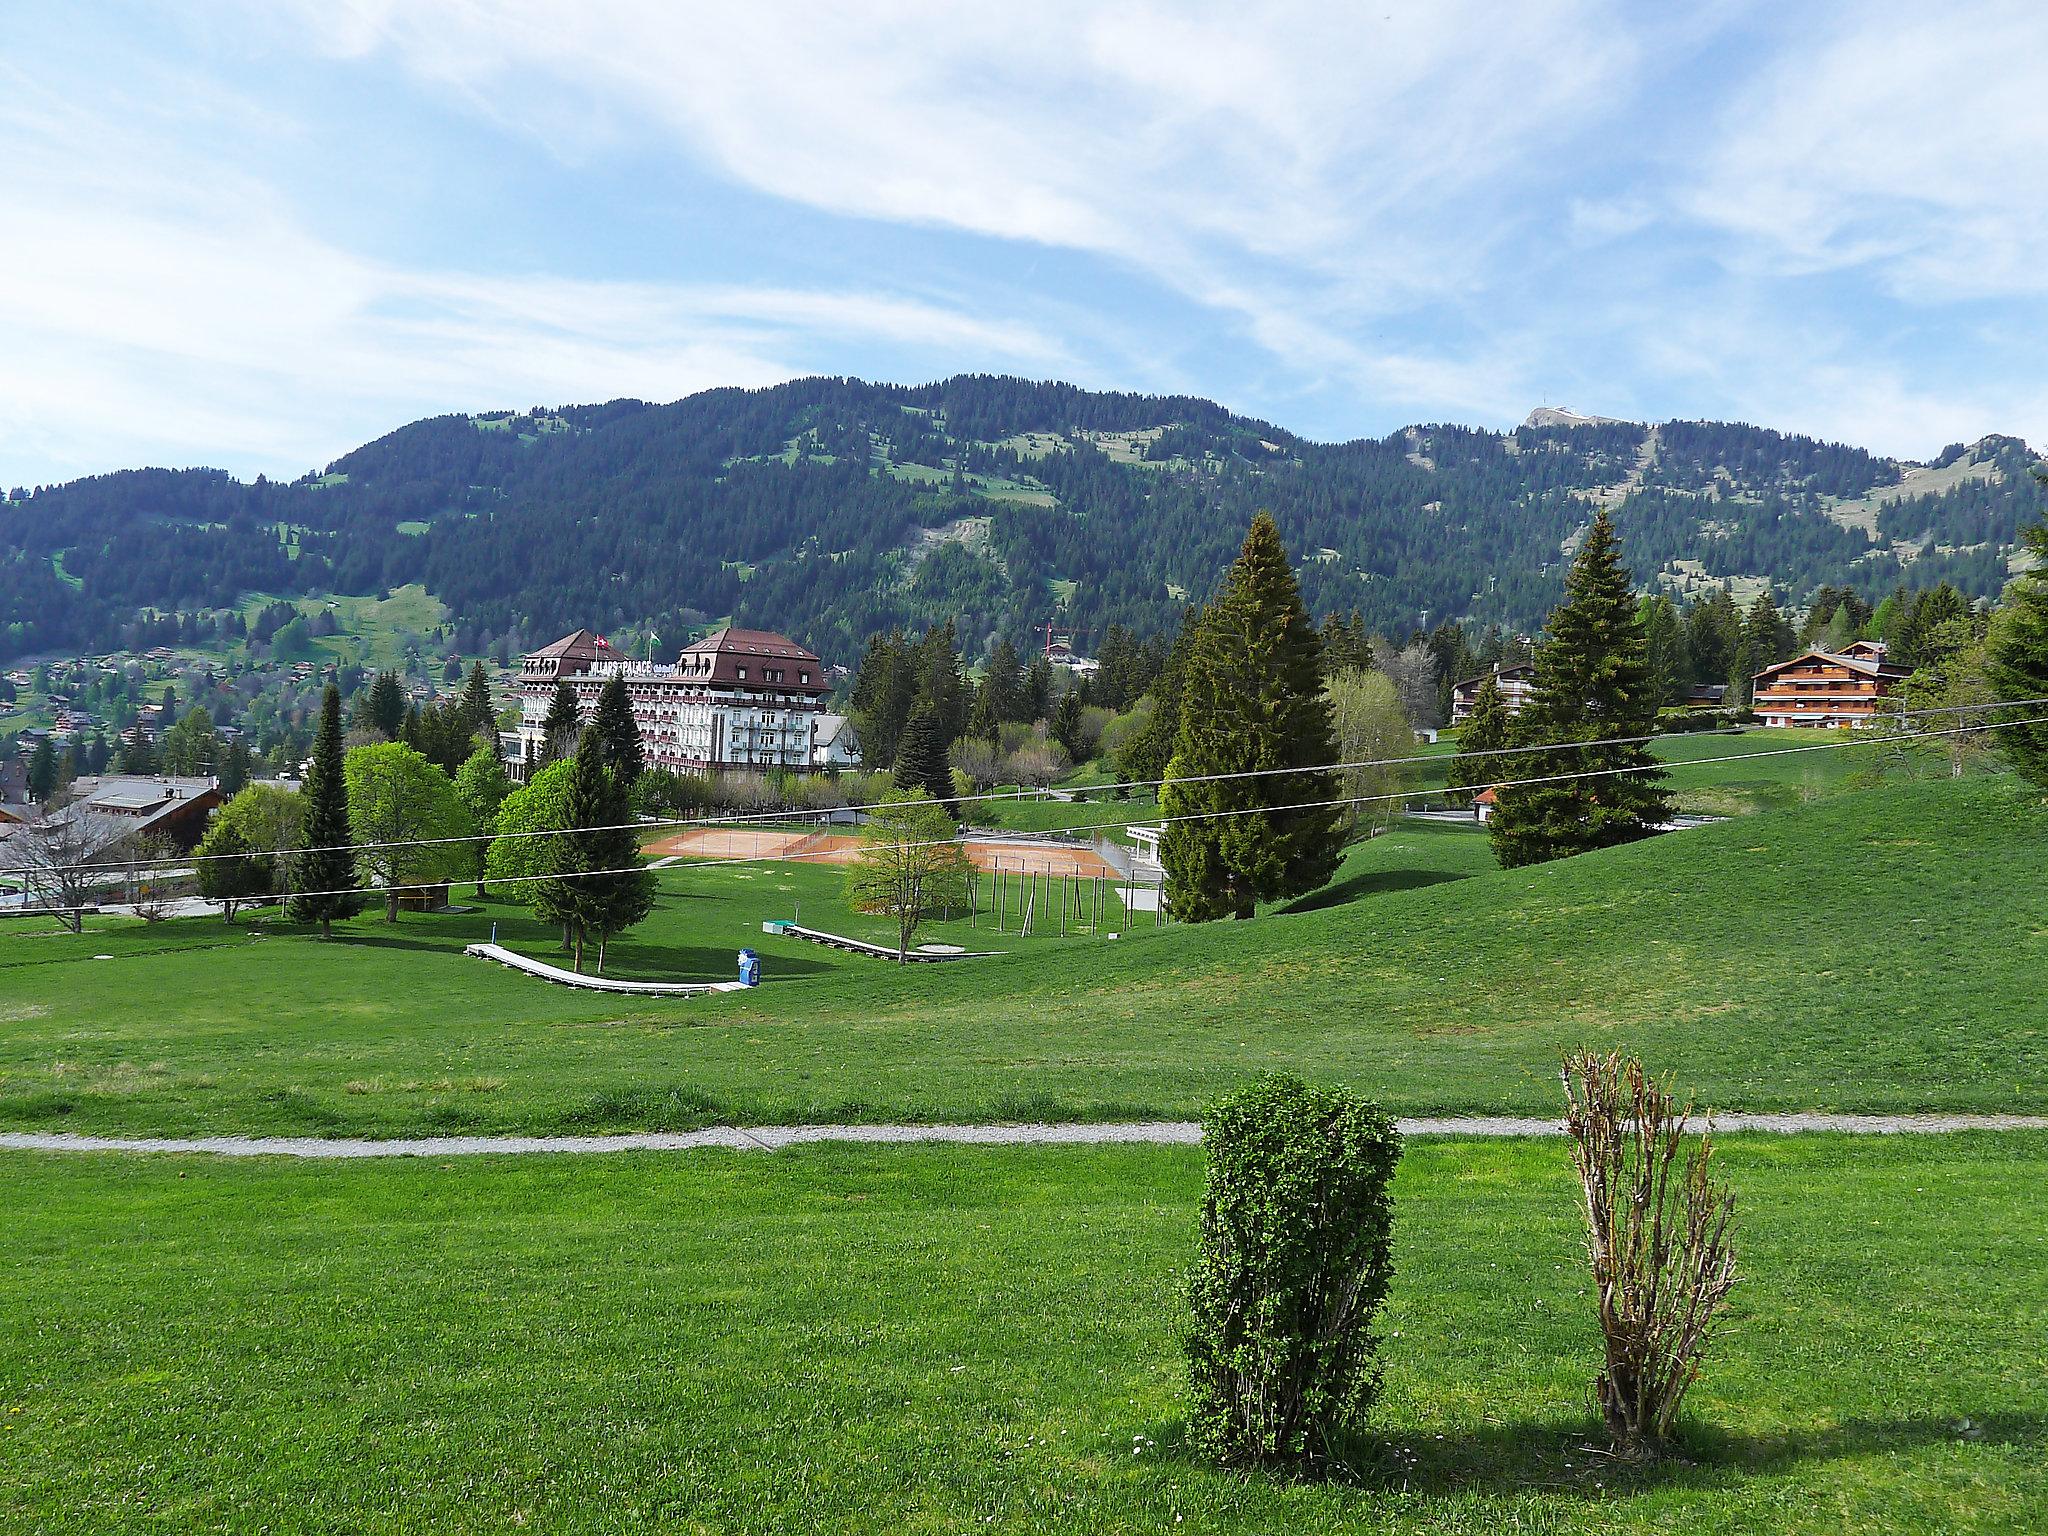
<point>1823,688</point>
<point>1517,684</point>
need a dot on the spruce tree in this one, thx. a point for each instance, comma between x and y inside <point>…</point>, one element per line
<point>386,709</point>
<point>234,768</point>
<point>1004,681</point>
<point>1485,731</point>
<point>599,888</point>
<point>2019,661</point>
<point>477,709</point>
<point>983,723</point>
<point>1592,684</point>
<point>42,771</point>
<point>559,730</point>
<point>1066,724</point>
<point>921,757</point>
<point>618,734</point>
<point>1252,700</point>
<point>323,872</point>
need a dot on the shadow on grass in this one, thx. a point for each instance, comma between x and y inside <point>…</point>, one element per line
<point>1371,883</point>
<point>1537,1455</point>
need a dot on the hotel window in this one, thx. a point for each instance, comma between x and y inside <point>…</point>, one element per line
<point>743,674</point>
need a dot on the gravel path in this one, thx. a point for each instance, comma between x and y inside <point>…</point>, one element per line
<point>771,1138</point>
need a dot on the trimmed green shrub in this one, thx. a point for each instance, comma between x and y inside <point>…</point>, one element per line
<point>1293,1266</point>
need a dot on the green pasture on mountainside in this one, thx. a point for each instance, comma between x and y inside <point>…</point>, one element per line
<point>1871,951</point>
<point>939,1339</point>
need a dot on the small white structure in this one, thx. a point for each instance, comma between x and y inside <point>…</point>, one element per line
<point>834,745</point>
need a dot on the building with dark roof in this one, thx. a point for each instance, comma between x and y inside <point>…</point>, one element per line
<point>1826,689</point>
<point>745,699</point>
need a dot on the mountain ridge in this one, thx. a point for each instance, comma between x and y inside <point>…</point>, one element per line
<point>828,507</point>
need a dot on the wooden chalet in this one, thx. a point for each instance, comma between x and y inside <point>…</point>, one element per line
<point>1516,685</point>
<point>1824,688</point>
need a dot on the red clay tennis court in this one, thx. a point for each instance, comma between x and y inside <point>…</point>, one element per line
<point>781,843</point>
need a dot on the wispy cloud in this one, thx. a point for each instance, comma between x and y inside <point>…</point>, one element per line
<point>157,306</point>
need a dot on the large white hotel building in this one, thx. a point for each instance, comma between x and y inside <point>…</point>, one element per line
<point>743,699</point>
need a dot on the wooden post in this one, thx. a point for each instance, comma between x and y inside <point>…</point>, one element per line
<point>1063,906</point>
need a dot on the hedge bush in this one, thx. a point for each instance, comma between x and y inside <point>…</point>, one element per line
<point>1293,1266</point>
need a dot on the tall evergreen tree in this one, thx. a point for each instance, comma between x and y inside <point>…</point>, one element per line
<point>42,771</point>
<point>2019,660</point>
<point>323,872</point>
<point>1065,727</point>
<point>1005,682</point>
<point>386,709</point>
<point>938,678</point>
<point>618,733</point>
<point>1664,649</point>
<point>477,709</point>
<point>1036,700</point>
<point>1592,684</point>
<point>600,889</point>
<point>921,757</point>
<point>1252,700</point>
<point>561,726</point>
<point>884,689</point>
<point>1713,631</point>
<point>1485,731</point>
<point>983,723</point>
<point>234,768</point>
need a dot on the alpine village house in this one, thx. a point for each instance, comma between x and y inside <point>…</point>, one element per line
<point>744,700</point>
<point>1818,688</point>
<point>1826,688</point>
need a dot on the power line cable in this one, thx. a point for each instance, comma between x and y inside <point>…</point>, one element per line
<point>1235,811</point>
<point>744,818</point>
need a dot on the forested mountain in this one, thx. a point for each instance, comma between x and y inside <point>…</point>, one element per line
<point>830,508</point>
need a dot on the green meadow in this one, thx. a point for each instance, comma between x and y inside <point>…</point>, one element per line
<point>1876,950</point>
<point>933,1339</point>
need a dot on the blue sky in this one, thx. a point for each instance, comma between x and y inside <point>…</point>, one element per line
<point>254,235</point>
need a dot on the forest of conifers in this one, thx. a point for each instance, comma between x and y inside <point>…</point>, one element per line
<point>830,508</point>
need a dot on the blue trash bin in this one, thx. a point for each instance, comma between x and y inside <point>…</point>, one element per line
<point>750,968</point>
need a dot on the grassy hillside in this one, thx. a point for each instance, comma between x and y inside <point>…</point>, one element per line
<point>1870,951</point>
<point>939,1339</point>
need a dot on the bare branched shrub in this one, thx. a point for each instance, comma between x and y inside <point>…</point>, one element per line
<point>1657,1233</point>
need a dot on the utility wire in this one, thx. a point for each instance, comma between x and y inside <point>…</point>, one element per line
<point>654,824</point>
<point>1250,810</point>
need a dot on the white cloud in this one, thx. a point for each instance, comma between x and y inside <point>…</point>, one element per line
<point>1298,165</point>
<point>1908,140</point>
<point>155,307</point>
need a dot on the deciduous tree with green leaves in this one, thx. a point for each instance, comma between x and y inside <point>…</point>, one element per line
<point>1252,702</point>
<point>482,785</point>
<point>230,871</point>
<point>403,810</point>
<point>909,865</point>
<point>2019,661</point>
<point>1592,684</point>
<point>519,848</point>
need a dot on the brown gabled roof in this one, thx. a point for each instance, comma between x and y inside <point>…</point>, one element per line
<point>581,646</point>
<point>1519,669</point>
<point>719,656</point>
<point>1885,669</point>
